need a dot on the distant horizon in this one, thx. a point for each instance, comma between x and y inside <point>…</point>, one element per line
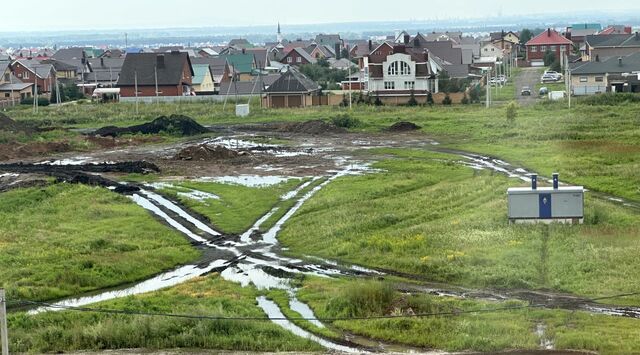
<point>160,14</point>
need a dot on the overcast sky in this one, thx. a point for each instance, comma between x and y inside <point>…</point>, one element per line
<point>130,14</point>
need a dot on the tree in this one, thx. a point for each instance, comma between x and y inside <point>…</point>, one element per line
<point>412,100</point>
<point>430,99</point>
<point>549,58</point>
<point>511,111</point>
<point>474,94</point>
<point>378,102</point>
<point>555,66</point>
<point>525,36</point>
<point>465,99</point>
<point>447,100</point>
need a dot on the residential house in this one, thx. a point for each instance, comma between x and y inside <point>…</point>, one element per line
<point>399,71</point>
<point>577,33</point>
<point>549,40</point>
<point>616,74</point>
<point>507,41</point>
<point>208,52</point>
<point>32,71</point>
<point>113,53</point>
<point>319,51</point>
<point>298,56</point>
<point>64,71</point>
<point>261,56</point>
<point>104,71</point>
<point>292,89</point>
<point>329,40</point>
<point>11,88</point>
<point>220,69</point>
<point>243,65</point>
<point>203,80</point>
<point>240,43</point>
<point>616,29</point>
<point>601,47</point>
<point>74,56</point>
<point>171,73</point>
<point>491,50</point>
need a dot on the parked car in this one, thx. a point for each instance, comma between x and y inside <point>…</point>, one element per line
<point>526,91</point>
<point>550,76</point>
<point>543,91</point>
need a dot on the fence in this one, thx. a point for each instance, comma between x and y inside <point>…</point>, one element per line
<point>172,99</point>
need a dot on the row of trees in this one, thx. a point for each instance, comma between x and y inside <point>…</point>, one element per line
<point>322,73</point>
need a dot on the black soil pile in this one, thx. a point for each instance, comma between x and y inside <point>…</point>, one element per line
<point>128,167</point>
<point>403,127</point>
<point>311,127</point>
<point>205,152</point>
<point>174,124</point>
<point>9,125</point>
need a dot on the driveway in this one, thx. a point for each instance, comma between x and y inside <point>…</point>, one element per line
<point>528,77</point>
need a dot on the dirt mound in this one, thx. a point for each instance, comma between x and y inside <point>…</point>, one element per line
<point>129,167</point>
<point>17,150</point>
<point>403,127</point>
<point>311,127</point>
<point>174,124</point>
<point>205,152</point>
<point>7,124</point>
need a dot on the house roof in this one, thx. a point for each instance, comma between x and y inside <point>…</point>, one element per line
<point>105,63</point>
<point>41,70</point>
<point>614,40</point>
<point>629,63</point>
<point>445,50</point>
<point>328,39</point>
<point>209,51</point>
<point>60,65</point>
<point>200,73</point>
<point>252,87</point>
<point>242,62</point>
<point>143,65</point>
<point>303,53</point>
<point>16,86</point>
<point>616,29</point>
<point>548,37</point>
<point>216,64</point>
<point>240,42</point>
<point>70,53</point>
<point>292,81</point>
<point>261,55</point>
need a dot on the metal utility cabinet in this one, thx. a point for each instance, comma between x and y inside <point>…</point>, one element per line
<point>546,204</point>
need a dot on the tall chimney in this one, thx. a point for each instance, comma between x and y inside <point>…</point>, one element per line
<point>549,32</point>
<point>620,61</point>
<point>102,62</point>
<point>534,181</point>
<point>407,38</point>
<point>597,57</point>
<point>338,51</point>
<point>370,46</point>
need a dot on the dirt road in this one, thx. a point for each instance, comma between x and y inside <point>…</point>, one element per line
<point>528,77</point>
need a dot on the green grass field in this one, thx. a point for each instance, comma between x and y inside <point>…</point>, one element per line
<point>428,217</point>
<point>210,296</point>
<point>63,240</point>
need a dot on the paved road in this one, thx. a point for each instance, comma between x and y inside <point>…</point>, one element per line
<point>528,77</point>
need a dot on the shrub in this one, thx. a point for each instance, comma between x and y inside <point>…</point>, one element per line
<point>512,111</point>
<point>412,100</point>
<point>378,102</point>
<point>611,99</point>
<point>363,298</point>
<point>465,100</point>
<point>430,99</point>
<point>42,101</point>
<point>345,121</point>
<point>447,100</point>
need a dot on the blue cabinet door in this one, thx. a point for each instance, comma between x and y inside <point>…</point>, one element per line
<point>545,206</point>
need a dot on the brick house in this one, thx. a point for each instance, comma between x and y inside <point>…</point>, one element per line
<point>298,56</point>
<point>34,72</point>
<point>173,72</point>
<point>549,40</point>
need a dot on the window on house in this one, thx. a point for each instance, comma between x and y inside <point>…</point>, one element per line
<point>299,59</point>
<point>599,79</point>
<point>584,79</point>
<point>7,94</point>
<point>534,49</point>
<point>399,68</point>
<point>543,48</point>
<point>552,48</point>
<point>289,59</point>
<point>389,85</point>
<point>409,85</point>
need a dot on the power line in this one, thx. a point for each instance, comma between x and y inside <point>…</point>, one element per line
<point>328,319</point>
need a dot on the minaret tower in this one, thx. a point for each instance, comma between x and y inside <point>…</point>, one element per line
<point>279,38</point>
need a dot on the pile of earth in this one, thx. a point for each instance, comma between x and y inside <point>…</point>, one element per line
<point>311,127</point>
<point>18,150</point>
<point>403,127</point>
<point>128,167</point>
<point>206,152</point>
<point>174,124</point>
<point>9,125</point>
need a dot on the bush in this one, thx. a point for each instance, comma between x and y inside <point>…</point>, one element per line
<point>512,111</point>
<point>363,298</point>
<point>346,121</point>
<point>412,100</point>
<point>42,101</point>
<point>430,99</point>
<point>447,100</point>
<point>465,100</point>
<point>378,102</point>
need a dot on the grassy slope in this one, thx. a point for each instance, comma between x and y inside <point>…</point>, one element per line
<point>211,296</point>
<point>439,221</point>
<point>63,240</point>
<point>513,329</point>
<point>238,208</point>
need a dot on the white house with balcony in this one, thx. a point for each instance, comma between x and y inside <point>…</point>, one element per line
<point>402,72</point>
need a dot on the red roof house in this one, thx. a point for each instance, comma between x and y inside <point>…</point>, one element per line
<point>549,40</point>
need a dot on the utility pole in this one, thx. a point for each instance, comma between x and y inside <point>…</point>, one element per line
<point>155,72</point>
<point>126,41</point>
<point>568,79</point>
<point>135,78</point>
<point>488,89</point>
<point>35,87</point>
<point>4,332</point>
